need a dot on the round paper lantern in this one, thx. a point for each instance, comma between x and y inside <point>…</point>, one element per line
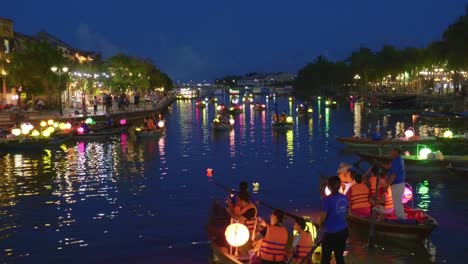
<point>218,108</point>
<point>424,152</point>
<point>123,121</point>
<point>409,133</point>
<point>56,125</point>
<point>237,234</point>
<point>16,131</point>
<point>24,126</point>
<point>161,124</point>
<point>45,133</point>
<point>310,110</point>
<point>448,134</point>
<point>35,133</point>
<point>50,122</point>
<point>289,119</point>
<point>80,130</point>
<point>62,126</point>
<point>89,121</point>
<point>68,126</point>
<point>232,122</point>
<point>51,129</point>
<point>25,131</point>
<point>43,123</point>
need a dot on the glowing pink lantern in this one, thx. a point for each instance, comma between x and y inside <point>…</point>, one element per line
<point>123,122</point>
<point>80,130</point>
<point>407,194</point>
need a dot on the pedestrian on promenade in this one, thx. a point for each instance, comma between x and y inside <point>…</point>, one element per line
<point>95,104</point>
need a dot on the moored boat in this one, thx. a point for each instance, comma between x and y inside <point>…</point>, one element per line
<point>368,142</point>
<point>200,104</point>
<point>139,133</point>
<point>32,144</point>
<point>259,107</point>
<point>103,133</point>
<point>415,160</point>
<point>390,228</point>
<point>303,110</point>
<point>235,109</point>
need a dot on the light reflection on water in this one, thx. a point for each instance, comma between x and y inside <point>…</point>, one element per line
<point>128,200</point>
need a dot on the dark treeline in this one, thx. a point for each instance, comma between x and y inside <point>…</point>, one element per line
<point>390,66</point>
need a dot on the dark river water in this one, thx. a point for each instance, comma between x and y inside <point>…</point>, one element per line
<point>147,201</point>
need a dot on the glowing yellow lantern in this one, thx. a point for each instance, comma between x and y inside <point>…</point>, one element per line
<point>216,120</point>
<point>218,108</point>
<point>51,129</point>
<point>16,131</point>
<point>62,126</point>
<point>68,126</point>
<point>237,234</point>
<point>448,134</point>
<point>289,119</point>
<point>424,152</point>
<point>43,123</point>
<point>327,191</point>
<point>55,125</point>
<point>45,133</point>
<point>138,129</point>
<point>409,133</point>
<point>35,133</point>
<point>50,122</point>
<point>24,126</point>
<point>310,110</point>
<point>25,131</point>
<point>161,124</point>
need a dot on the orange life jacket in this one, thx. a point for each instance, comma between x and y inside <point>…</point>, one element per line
<point>345,177</point>
<point>249,223</point>
<point>274,244</point>
<point>389,200</point>
<point>359,196</point>
<point>304,247</point>
<point>373,184</point>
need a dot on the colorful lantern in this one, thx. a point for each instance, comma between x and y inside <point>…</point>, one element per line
<point>80,130</point>
<point>424,152</point>
<point>232,122</point>
<point>43,123</point>
<point>45,133</point>
<point>327,191</point>
<point>89,121</point>
<point>16,131</point>
<point>56,125</point>
<point>407,194</point>
<point>409,133</point>
<point>123,122</point>
<point>209,172</point>
<point>62,126</point>
<point>50,122</point>
<point>25,131</point>
<point>138,129</point>
<point>68,126</point>
<point>161,124</point>
<point>237,234</point>
<point>218,108</point>
<point>310,110</point>
<point>51,129</point>
<point>289,119</point>
<point>35,133</point>
<point>448,134</point>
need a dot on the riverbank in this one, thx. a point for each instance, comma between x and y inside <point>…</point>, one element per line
<point>8,119</point>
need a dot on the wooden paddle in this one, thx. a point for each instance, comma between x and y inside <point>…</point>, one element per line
<point>373,215</point>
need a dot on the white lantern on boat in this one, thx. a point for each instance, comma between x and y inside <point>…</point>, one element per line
<point>409,133</point>
<point>16,131</point>
<point>327,191</point>
<point>237,234</point>
<point>448,134</point>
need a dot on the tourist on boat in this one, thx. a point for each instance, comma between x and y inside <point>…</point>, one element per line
<point>396,180</point>
<point>372,180</point>
<point>358,196</point>
<point>274,237</point>
<point>245,211</point>
<point>333,221</point>
<point>344,173</point>
<point>302,243</point>
<point>149,124</point>
<point>383,201</point>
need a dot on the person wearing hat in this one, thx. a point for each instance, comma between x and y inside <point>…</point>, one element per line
<point>333,222</point>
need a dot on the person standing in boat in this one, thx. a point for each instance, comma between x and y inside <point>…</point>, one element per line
<point>245,212</point>
<point>273,238</point>
<point>333,222</point>
<point>396,180</point>
<point>302,243</point>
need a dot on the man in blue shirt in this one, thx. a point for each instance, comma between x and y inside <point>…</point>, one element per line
<point>333,221</point>
<point>396,180</point>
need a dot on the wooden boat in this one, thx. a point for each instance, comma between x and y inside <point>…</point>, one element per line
<point>100,133</point>
<point>282,125</point>
<point>32,144</point>
<point>331,104</point>
<point>149,133</point>
<point>302,110</point>
<point>219,126</point>
<point>414,160</point>
<point>395,230</point>
<point>235,109</point>
<point>200,104</point>
<point>259,107</point>
<point>367,142</point>
<point>458,142</point>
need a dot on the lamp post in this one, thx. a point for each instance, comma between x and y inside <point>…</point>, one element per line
<point>59,71</point>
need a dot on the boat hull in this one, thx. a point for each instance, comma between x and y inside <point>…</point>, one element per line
<point>32,144</point>
<point>369,143</point>
<point>412,160</point>
<point>282,126</point>
<point>221,127</point>
<point>149,134</point>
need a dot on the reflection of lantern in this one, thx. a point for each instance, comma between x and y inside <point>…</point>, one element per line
<point>50,122</point>
<point>161,124</point>
<point>35,133</point>
<point>448,134</point>
<point>231,121</point>
<point>80,130</point>
<point>424,152</point>
<point>123,122</point>
<point>409,133</point>
<point>407,194</point>
<point>45,133</point>
<point>43,123</point>
<point>51,129</point>
<point>289,119</point>
<point>237,234</point>
<point>16,131</point>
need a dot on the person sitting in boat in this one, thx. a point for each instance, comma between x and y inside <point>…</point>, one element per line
<point>302,243</point>
<point>149,124</point>
<point>274,238</point>
<point>383,201</point>
<point>344,173</point>
<point>358,195</point>
<point>333,220</point>
<point>282,118</point>
<point>245,212</point>
<point>372,180</point>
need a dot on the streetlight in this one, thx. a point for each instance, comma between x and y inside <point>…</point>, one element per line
<point>59,72</point>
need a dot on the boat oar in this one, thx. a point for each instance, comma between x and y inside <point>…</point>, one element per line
<point>373,215</point>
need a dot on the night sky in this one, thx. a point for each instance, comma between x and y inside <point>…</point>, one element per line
<point>206,39</point>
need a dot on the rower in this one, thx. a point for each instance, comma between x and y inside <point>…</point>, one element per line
<point>396,180</point>
<point>358,196</point>
<point>303,242</point>
<point>274,238</point>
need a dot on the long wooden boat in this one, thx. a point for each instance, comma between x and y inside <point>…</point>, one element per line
<point>395,230</point>
<point>32,144</point>
<point>369,143</point>
<point>259,107</point>
<point>149,133</point>
<point>104,133</point>
<point>414,160</point>
<point>282,126</point>
<point>219,126</point>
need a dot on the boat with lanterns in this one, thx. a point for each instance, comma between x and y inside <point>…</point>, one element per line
<point>302,110</point>
<point>359,142</point>
<point>332,104</point>
<point>287,124</point>
<point>259,107</point>
<point>235,109</point>
<point>88,129</point>
<point>247,99</point>
<point>222,123</point>
<point>200,104</point>
<point>141,132</point>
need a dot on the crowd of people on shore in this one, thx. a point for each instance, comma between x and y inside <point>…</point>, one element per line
<point>348,192</point>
